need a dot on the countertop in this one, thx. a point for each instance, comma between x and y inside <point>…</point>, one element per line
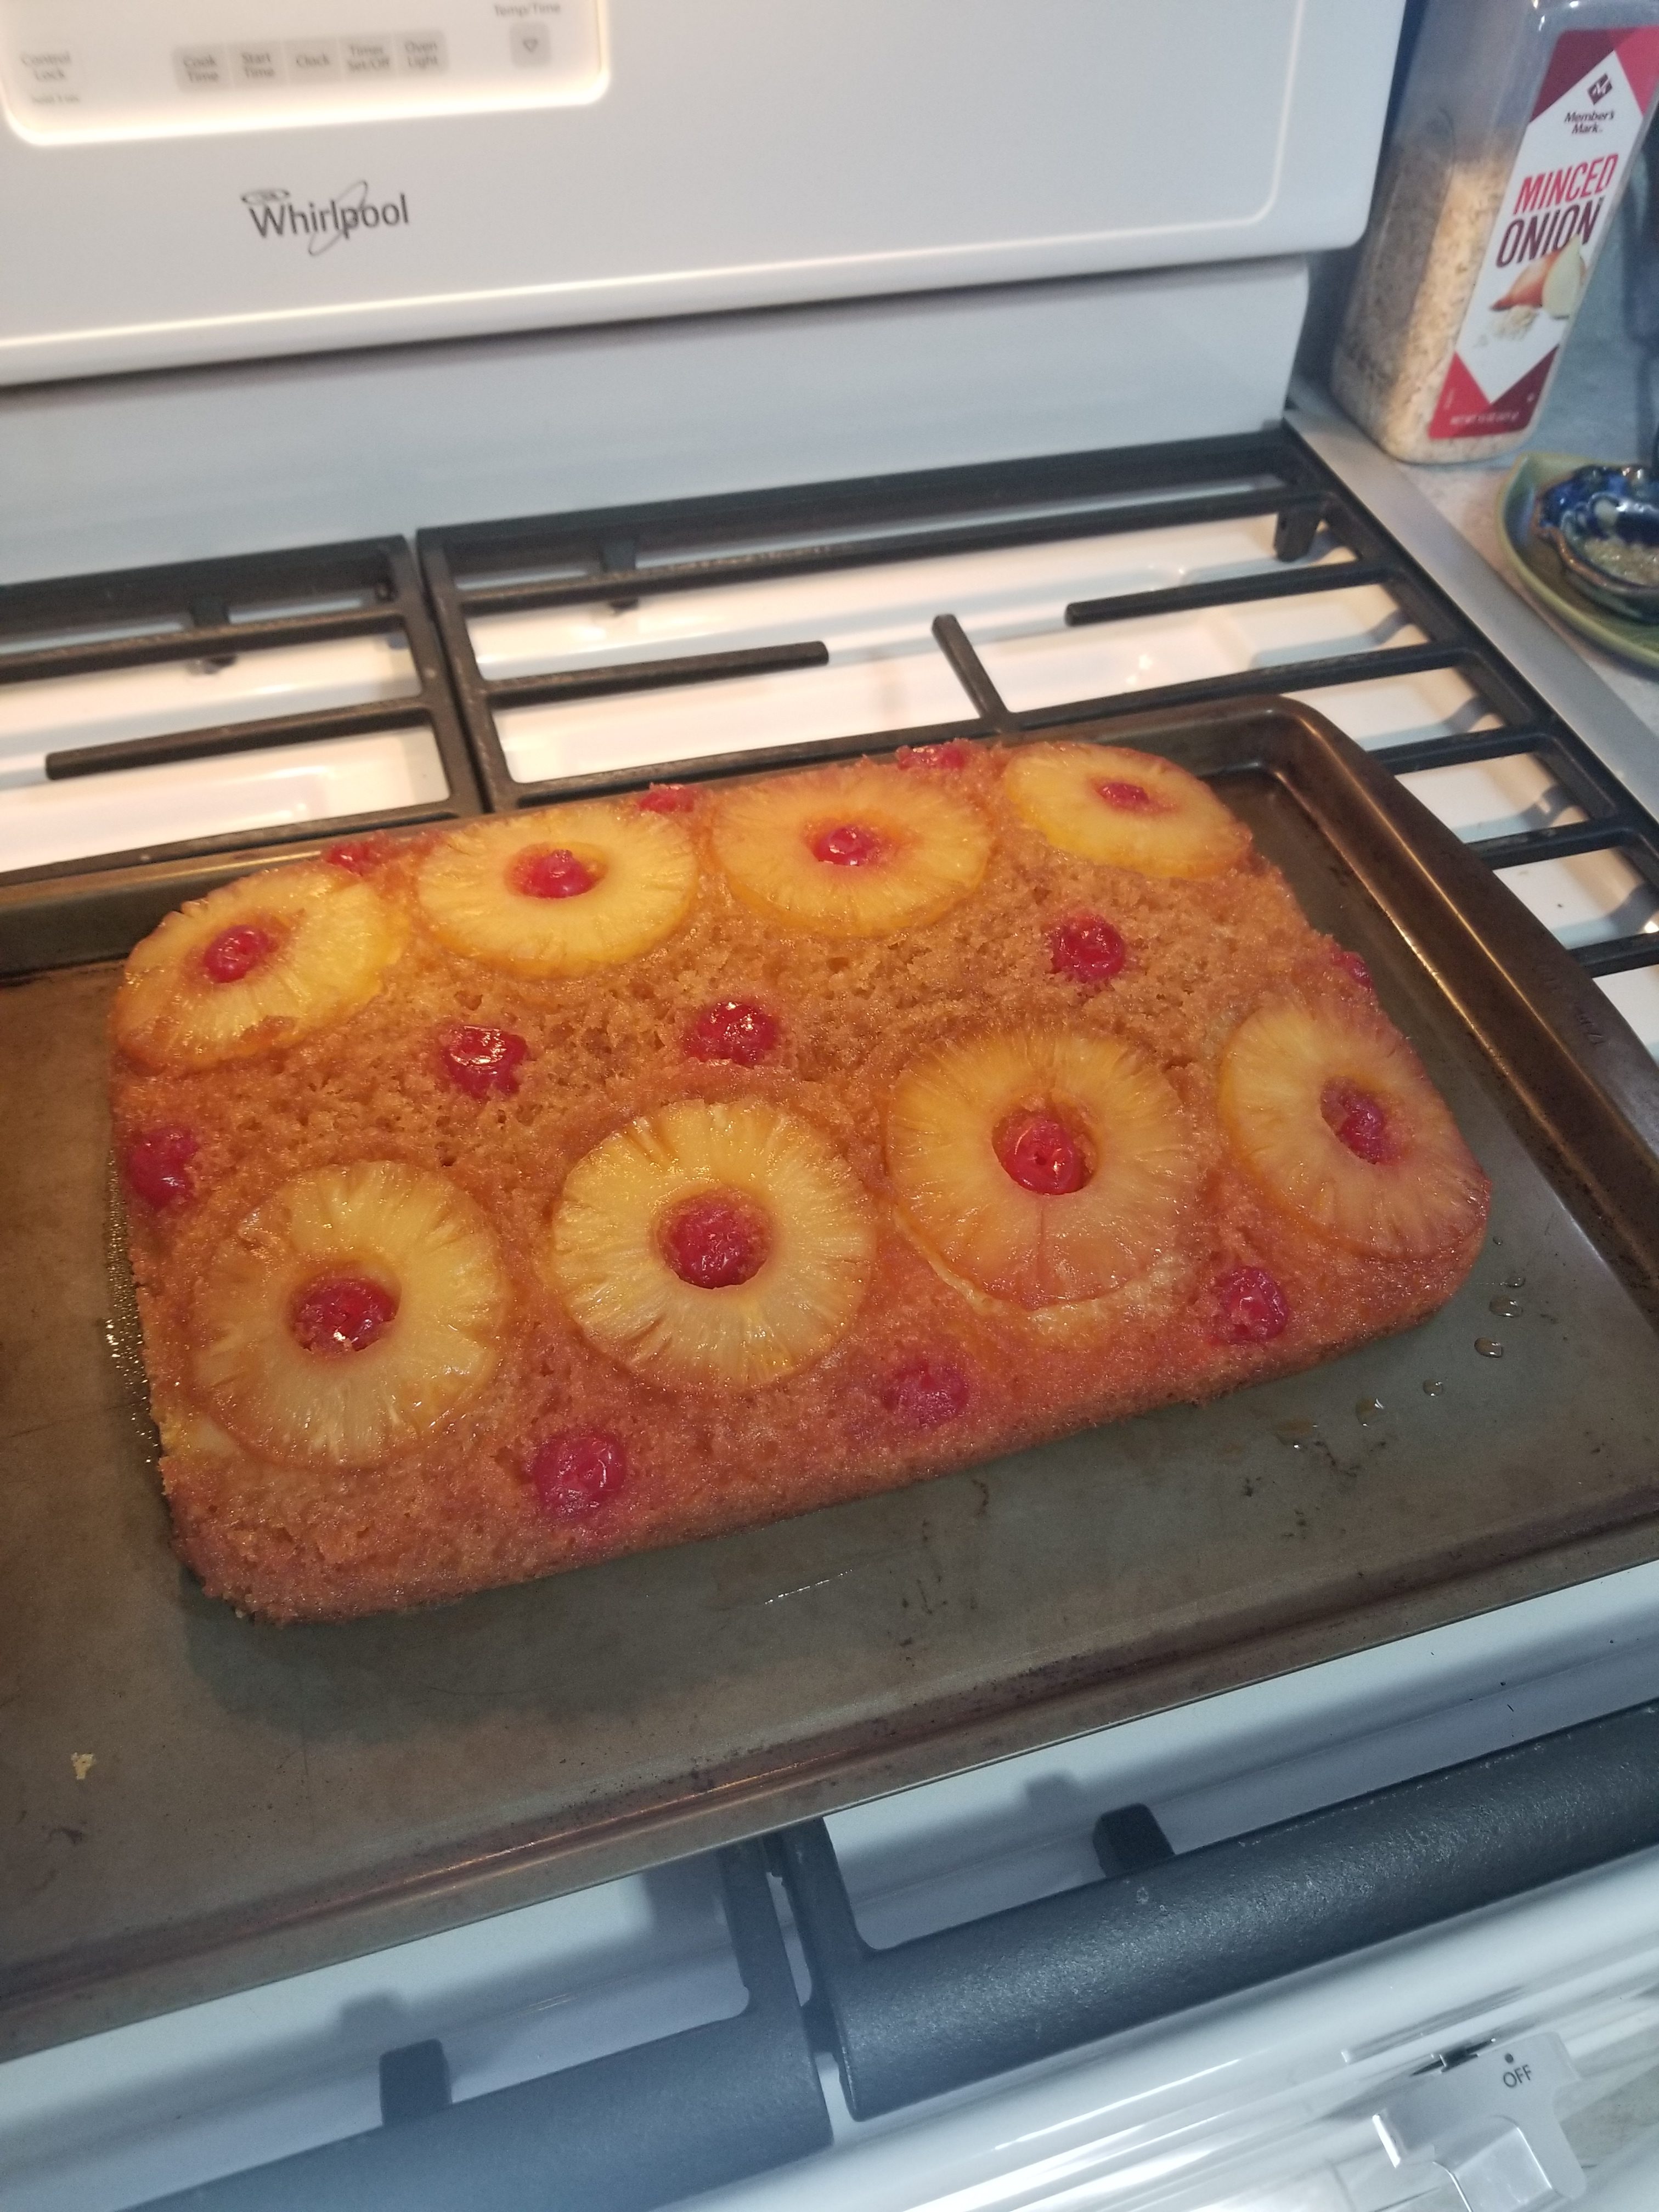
<point>1605,403</point>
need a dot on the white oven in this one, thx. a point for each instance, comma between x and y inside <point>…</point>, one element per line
<point>216,180</point>
<point>403,415</point>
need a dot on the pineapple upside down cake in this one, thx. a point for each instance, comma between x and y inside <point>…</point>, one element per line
<point>509,1197</point>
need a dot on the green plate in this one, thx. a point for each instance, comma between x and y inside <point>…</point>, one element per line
<point>1538,566</point>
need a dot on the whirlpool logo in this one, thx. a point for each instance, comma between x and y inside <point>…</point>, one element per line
<point>324,224</point>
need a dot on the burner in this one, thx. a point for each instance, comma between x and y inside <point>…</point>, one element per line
<point>175,725</point>
<point>834,620</point>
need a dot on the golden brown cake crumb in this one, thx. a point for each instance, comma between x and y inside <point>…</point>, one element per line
<point>563,1185</point>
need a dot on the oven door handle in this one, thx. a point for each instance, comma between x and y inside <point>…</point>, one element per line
<point>1162,1933</point>
<point>694,2111</point>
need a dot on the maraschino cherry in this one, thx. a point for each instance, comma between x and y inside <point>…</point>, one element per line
<point>926,1392</point>
<point>1352,964</point>
<point>574,1473</point>
<point>237,951</point>
<point>341,1313</point>
<point>156,1165</point>
<point>1251,1306</point>
<point>738,1030</point>
<point>1041,1154</point>
<point>1128,797</point>
<point>359,856</point>
<point>552,875</point>
<point>714,1242</point>
<point>952,755</point>
<point>847,845</point>
<point>478,1058</point>
<point>1087,949</point>
<point>1358,1120</point>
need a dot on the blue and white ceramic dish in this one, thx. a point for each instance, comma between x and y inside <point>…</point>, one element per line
<point>1540,569</point>
<point>1603,524</point>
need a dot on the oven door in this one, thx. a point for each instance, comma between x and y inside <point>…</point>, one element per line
<point>1338,1979</point>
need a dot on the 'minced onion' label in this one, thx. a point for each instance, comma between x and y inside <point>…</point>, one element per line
<point>1550,226</point>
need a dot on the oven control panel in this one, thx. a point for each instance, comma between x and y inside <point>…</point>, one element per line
<point>83,70</point>
<point>219,179</point>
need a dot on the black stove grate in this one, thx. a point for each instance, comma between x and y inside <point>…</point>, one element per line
<point>618,556</point>
<point>212,611</point>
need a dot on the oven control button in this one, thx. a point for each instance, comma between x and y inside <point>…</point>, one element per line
<point>51,76</point>
<point>368,57</point>
<point>423,53</point>
<point>313,61</point>
<point>202,68</point>
<point>532,46</point>
<point>257,64</point>
<point>1487,2116</point>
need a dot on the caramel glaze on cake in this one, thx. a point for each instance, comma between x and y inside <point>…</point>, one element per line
<point>335,1172</point>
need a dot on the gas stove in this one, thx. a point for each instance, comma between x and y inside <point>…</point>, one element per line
<point>179,724</point>
<point>827,1866</point>
<point>171,715</point>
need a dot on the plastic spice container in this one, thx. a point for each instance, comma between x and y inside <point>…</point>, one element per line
<point>1519,125</point>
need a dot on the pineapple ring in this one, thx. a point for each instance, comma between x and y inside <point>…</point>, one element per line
<point>603,1258</point>
<point>413,1233</point>
<point>1159,1291</point>
<point>1177,828</point>
<point>1275,1069</point>
<point>1039,1250</point>
<point>645,868</point>
<point>335,940</point>
<point>931,849</point>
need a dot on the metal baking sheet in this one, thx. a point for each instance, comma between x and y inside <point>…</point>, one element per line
<point>190,1802</point>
